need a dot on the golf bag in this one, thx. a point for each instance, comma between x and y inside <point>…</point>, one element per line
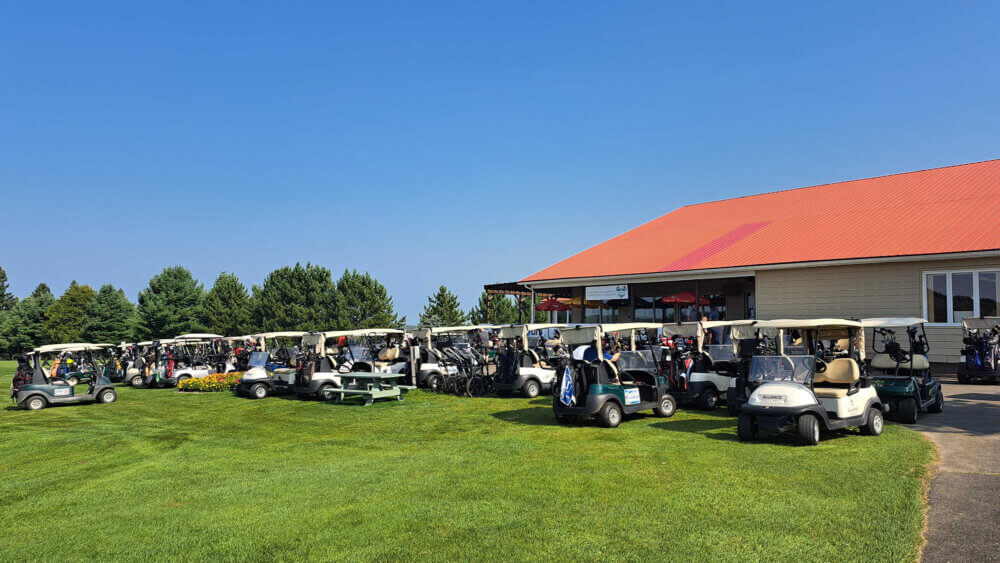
<point>22,376</point>
<point>981,350</point>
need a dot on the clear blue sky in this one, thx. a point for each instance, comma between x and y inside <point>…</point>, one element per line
<point>453,143</point>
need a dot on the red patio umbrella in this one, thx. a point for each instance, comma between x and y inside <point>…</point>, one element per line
<point>684,298</point>
<point>551,304</point>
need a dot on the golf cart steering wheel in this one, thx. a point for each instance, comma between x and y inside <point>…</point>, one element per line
<point>820,365</point>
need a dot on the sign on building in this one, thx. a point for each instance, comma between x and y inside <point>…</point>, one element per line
<point>606,292</point>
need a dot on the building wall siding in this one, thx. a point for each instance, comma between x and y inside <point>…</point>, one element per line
<point>863,290</point>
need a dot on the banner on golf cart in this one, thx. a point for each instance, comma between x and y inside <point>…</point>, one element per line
<point>606,292</point>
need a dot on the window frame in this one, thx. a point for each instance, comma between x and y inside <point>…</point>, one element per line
<point>950,298</point>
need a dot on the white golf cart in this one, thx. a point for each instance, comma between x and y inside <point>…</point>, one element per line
<point>823,390</point>
<point>201,356</point>
<point>429,366</point>
<point>522,368</point>
<point>271,367</point>
<point>325,356</point>
<point>696,372</point>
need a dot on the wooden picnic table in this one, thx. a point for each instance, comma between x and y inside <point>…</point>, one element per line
<point>369,386</point>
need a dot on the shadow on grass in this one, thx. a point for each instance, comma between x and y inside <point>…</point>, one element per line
<point>531,416</point>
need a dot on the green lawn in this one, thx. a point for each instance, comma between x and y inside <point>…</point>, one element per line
<point>160,474</point>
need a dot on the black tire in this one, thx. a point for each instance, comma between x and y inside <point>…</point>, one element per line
<point>746,428</point>
<point>531,389</point>
<point>732,409</point>
<point>708,399</point>
<point>107,396</point>
<point>808,429</point>
<point>938,404</point>
<point>182,378</point>
<point>36,403</point>
<point>666,407</point>
<point>610,415</point>
<point>257,391</point>
<point>908,411</point>
<point>962,378</point>
<point>434,383</point>
<point>135,381</point>
<point>874,422</point>
<point>475,387</point>
<point>321,394</point>
<point>74,380</point>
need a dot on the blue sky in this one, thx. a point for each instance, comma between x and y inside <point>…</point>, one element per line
<point>449,143</point>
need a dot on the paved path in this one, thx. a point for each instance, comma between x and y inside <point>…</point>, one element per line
<point>964,516</point>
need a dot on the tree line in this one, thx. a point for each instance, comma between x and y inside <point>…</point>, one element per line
<point>174,302</point>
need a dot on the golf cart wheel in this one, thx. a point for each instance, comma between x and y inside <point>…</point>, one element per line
<point>808,427</point>
<point>434,383</point>
<point>938,405</point>
<point>708,399</point>
<point>136,381</point>
<point>73,380</point>
<point>321,392</point>
<point>182,378</point>
<point>258,391</point>
<point>874,423</point>
<point>962,378</point>
<point>35,403</point>
<point>908,410</point>
<point>531,389</point>
<point>732,409</point>
<point>475,387</point>
<point>107,396</point>
<point>610,415</point>
<point>666,407</point>
<point>746,428</point>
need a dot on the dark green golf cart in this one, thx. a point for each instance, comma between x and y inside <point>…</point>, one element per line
<point>33,389</point>
<point>901,371</point>
<point>593,385</point>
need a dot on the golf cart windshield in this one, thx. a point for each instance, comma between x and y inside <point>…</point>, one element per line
<point>767,369</point>
<point>258,359</point>
<point>638,360</point>
<point>720,352</point>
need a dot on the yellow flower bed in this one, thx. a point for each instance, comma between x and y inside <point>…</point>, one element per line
<point>211,382</point>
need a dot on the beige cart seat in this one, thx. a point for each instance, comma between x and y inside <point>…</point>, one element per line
<point>835,382</point>
<point>884,361</point>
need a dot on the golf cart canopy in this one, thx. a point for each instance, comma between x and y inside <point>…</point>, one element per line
<point>979,323</point>
<point>892,322</point>
<point>841,329</point>
<point>198,336</point>
<point>70,347</point>
<point>593,333</point>
<point>361,332</point>
<point>521,331</point>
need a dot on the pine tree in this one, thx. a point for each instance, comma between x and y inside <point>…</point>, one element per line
<point>169,304</point>
<point>525,306</point>
<point>226,307</point>
<point>7,299</point>
<point>298,298</point>
<point>443,309</point>
<point>23,327</point>
<point>110,316</point>
<point>66,317</point>
<point>367,303</point>
<point>501,310</point>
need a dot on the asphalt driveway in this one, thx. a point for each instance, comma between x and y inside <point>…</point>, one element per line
<point>964,516</point>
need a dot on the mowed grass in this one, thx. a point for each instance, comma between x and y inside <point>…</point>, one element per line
<point>160,474</point>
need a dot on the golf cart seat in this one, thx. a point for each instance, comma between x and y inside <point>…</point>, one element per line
<point>388,354</point>
<point>610,369</point>
<point>885,362</point>
<point>836,381</point>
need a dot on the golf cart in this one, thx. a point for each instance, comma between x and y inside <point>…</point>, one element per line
<point>592,385</point>
<point>522,368</point>
<point>747,341</point>
<point>902,375</point>
<point>824,389</point>
<point>71,366</point>
<point>270,372</point>
<point>429,364</point>
<point>697,373</point>
<point>34,389</point>
<point>203,354</point>
<point>981,355</point>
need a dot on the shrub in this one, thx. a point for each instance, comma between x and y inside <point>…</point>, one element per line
<point>210,383</point>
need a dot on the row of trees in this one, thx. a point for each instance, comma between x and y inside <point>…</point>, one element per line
<point>174,302</point>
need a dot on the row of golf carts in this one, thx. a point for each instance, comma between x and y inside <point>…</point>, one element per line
<point>800,376</point>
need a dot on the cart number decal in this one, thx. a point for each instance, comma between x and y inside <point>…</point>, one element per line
<point>632,396</point>
<point>58,392</point>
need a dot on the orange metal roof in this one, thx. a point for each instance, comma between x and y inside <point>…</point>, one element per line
<point>942,210</point>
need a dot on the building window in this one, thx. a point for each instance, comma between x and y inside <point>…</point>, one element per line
<point>950,297</point>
